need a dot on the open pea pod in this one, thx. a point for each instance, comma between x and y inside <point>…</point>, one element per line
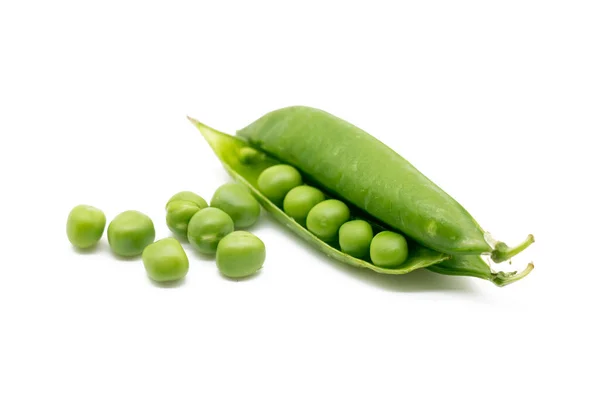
<point>245,164</point>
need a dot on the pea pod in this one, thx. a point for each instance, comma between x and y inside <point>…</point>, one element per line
<point>353,166</point>
<point>368,174</point>
<point>232,151</point>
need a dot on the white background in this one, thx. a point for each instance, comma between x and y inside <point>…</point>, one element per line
<point>497,102</point>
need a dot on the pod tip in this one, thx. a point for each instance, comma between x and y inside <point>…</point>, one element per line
<point>505,278</point>
<point>502,252</point>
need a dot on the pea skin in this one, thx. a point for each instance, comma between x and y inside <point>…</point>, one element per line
<point>276,181</point>
<point>129,233</point>
<point>355,238</point>
<point>85,226</point>
<point>388,249</point>
<point>325,219</point>
<point>240,254</point>
<point>206,229</point>
<point>300,200</point>
<point>235,200</point>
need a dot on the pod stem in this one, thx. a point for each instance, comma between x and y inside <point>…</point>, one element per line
<point>504,278</point>
<point>502,252</point>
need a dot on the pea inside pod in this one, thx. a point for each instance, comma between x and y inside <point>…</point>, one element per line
<point>249,155</point>
<point>355,238</point>
<point>276,181</point>
<point>326,218</point>
<point>388,249</point>
<point>300,200</point>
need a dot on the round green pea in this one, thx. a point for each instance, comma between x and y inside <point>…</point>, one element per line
<point>240,254</point>
<point>388,249</point>
<point>179,213</point>
<point>238,203</point>
<point>207,227</point>
<point>165,260</point>
<point>355,238</point>
<point>188,196</point>
<point>276,181</point>
<point>130,232</point>
<point>326,218</point>
<point>300,200</point>
<point>85,226</point>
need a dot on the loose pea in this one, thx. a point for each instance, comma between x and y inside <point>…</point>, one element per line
<point>325,219</point>
<point>165,260</point>
<point>240,254</point>
<point>130,232</point>
<point>179,213</point>
<point>276,181</point>
<point>238,203</point>
<point>388,249</point>
<point>300,200</point>
<point>189,196</point>
<point>85,226</point>
<point>355,238</point>
<point>207,227</point>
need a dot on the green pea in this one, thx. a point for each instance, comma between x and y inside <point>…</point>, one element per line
<point>355,238</point>
<point>130,232</point>
<point>165,260</point>
<point>300,200</point>
<point>325,219</point>
<point>237,201</point>
<point>189,196</point>
<point>207,227</point>
<point>179,213</point>
<point>240,254</point>
<point>388,249</point>
<point>248,155</point>
<point>85,226</point>
<point>276,181</point>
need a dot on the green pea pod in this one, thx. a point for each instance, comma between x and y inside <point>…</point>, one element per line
<point>473,265</point>
<point>319,148</point>
<point>245,165</point>
<point>368,174</point>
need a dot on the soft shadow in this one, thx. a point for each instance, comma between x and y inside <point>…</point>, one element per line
<point>190,250</point>
<point>126,259</point>
<point>180,238</point>
<point>168,285</point>
<point>245,278</point>
<point>420,280</point>
<point>98,247</point>
<point>193,253</point>
<point>260,223</point>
